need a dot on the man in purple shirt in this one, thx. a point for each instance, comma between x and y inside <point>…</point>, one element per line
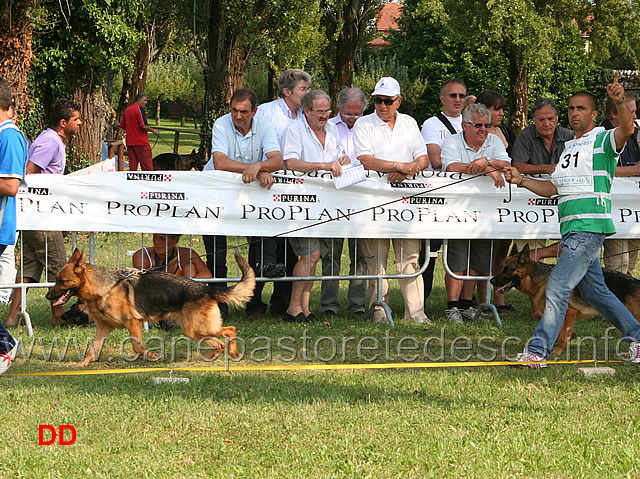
<point>45,250</point>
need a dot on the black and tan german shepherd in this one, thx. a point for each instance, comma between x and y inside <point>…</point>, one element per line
<point>127,297</point>
<point>530,277</point>
<point>173,161</point>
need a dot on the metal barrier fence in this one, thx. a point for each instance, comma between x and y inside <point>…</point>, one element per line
<point>240,244</point>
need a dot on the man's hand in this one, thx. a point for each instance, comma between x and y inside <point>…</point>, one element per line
<point>410,168</point>
<point>336,168</point>
<point>512,175</point>
<point>344,160</point>
<point>396,177</point>
<point>498,180</point>
<point>250,174</point>
<point>477,166</point>
<point>266,179</point>
<point>615,90</point>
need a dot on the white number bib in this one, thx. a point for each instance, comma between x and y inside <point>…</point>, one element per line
<point>574,172</point>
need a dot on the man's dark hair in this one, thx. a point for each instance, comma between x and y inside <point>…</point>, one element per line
<point>62,110</point>
<point>140,96</point>
<point>5,95</point>
<point>592,99</point>
<point>244,94</point>
<point>452,80</point>
<point>491,98</point>
<point>540,102</point>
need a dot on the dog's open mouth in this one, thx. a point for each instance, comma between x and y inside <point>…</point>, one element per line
<point>503,289</point>
<point>63,298</point>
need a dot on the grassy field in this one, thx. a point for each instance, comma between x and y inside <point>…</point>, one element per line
<point>486,421</point>
<point>163,143</point>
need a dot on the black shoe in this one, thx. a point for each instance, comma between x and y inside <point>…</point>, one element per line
<point>311,318</point>
<point>329,314</point>
<point>271,270</point>
<point>289,318</point>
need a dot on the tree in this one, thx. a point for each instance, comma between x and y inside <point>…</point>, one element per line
<point>347,24</point>
<point>77,43</point>
<point>16,55</point>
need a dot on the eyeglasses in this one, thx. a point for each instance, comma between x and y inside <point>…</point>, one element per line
<point>479,125</point>
<point>302,88</point>
<point>457,95</point>
<point>351,115</point>
<point>322,112</point>
<point>386,101</point>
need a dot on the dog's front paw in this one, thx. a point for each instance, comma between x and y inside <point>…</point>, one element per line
<point>149,356</point>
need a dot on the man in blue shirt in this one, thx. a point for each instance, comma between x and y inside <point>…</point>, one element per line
<point>13,155</point>
<point>246,144</point>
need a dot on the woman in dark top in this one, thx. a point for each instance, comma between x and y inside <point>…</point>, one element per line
<point>496,104</point>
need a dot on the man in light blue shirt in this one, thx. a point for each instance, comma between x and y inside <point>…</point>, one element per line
<point>472,151</point>
<point>246,144</point>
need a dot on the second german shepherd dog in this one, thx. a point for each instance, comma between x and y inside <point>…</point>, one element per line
<point>530,277</point>
<point>127,297</point>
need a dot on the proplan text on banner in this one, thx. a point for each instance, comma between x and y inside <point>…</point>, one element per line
<point>428,205</point>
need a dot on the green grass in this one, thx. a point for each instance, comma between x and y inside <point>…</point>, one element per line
<point>163,143</point>
<point>484,422</point>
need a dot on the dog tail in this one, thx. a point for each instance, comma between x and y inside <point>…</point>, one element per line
<point>242,291</point>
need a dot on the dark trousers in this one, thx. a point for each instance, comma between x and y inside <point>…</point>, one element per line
<point>216,248</point>
<point>427,276</point>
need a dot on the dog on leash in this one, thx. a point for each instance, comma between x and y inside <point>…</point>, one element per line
<point>530,277</point>
<point>173,161</point>
<point>127,297</point>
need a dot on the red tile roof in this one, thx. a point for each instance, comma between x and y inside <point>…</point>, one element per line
<point>386,22</point>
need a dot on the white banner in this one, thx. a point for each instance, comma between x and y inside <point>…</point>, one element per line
<point>429,205</point>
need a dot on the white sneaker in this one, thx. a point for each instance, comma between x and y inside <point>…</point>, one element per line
<point>6,358</point>
<point>530,357</point>
<point>634,352</point>
<point>454,315</point>
<point>469,314</point>
<point>424,320</point>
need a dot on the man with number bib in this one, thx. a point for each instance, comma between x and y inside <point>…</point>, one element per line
<point>582,180</point>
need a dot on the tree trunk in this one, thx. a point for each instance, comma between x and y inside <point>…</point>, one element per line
<point>137,81</point>
<point>518,95</point>
<point>94,112</point>
<point>158,112</point>
<point>16,55</point>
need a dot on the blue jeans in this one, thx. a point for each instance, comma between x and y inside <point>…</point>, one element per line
<point>579,266</point>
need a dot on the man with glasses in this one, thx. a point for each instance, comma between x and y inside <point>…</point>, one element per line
<point>390,142</point>
<point>352,102</point>
<point>434,131</point>
<point>473,151</point>
<point>292,85</point>
<point>311,145</point>
<point>246,144</point>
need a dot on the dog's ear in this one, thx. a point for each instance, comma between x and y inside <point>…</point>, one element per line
<point>524,254</point>
<point>78,258</point>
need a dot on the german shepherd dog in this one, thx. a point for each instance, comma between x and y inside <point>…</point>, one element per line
<point>173,161</point>
<point>530,277</point>
<point>127,297</point>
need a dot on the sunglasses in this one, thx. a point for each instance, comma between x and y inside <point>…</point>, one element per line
<point>386,101</point>
<point>479,125</point>
<point>457,95</point>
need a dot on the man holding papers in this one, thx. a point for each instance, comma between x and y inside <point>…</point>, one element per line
<point>311,145</point>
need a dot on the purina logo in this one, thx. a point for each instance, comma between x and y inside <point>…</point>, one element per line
<point>423,200</point>
<point>542,202</point>
<point>288,181</point>
<point>162,195</point>
<point>411,185</point>
<point>138,176</point>
<point>38,191</point>
<point>295,198</point>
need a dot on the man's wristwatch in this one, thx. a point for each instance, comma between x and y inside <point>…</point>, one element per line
<point>488,161</point>
<point>624,98</point>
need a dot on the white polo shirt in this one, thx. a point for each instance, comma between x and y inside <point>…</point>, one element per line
<point>280,115</point>
<point>300,142</point>
<point>456,150</point>
<point>346,135</point>
<point>372,136</point>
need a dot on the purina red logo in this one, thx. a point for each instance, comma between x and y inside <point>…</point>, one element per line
<point>423,200</point>
<point>144,176</point>
<point>162,195</point>
<point>63,440</point>
<point>542,202</point>
<point>295,198</point>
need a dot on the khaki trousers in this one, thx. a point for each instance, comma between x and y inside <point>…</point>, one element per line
<point>621,254</point>
<point>376,253</point>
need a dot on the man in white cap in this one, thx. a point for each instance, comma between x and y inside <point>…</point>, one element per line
<point>390,142</point>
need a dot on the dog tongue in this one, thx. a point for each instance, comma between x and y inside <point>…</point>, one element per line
<point>500,291</point>
<point>62,299</point>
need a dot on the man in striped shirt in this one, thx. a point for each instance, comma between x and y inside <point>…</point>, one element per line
<point>582,180</point>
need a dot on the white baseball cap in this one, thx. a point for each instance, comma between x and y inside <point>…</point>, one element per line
<point>387,86</point>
